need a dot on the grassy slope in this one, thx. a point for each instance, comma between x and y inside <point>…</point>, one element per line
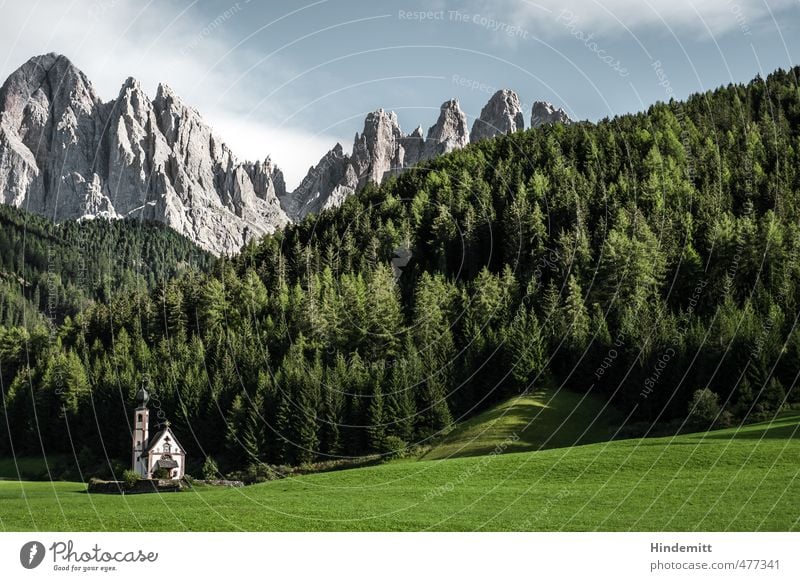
<point>724,480</point>
<point>546,419</point>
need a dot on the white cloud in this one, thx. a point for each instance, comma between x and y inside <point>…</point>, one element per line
<point>639,16</point>
<point>293,151</point>
<point>174,43</point>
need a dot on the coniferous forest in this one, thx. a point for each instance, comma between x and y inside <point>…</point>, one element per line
<point>647,258</point>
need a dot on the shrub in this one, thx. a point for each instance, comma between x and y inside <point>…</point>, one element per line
<point>393,447</point>
<point>704,407</point>
<point>130,478</point>
<point>210,469</point>
<point>769,400</point>
<point>257,473</point>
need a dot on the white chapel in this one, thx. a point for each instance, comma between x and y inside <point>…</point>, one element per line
<point>162,450</point>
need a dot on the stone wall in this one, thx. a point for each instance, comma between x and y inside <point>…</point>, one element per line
<point>140,487</point>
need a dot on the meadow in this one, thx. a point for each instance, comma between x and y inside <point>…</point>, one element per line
<point>737,479</point>
<point>548,418</point>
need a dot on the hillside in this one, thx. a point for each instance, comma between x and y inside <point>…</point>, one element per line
<point>549,418</point>
<point>729,480</point>
<point>651,259</point>
<point>54,271</point>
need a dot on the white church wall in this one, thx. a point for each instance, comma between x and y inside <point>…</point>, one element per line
<point>157,451</point>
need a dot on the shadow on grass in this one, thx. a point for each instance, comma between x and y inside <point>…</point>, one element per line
<point>539,422</point>
<point>781,430</point>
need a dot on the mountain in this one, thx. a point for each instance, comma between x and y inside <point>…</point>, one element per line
<point>67,155</point>
<point>382,149</point>
<point>378,151</point>
<point>531,258</point>
<point>544,113</point>
<point>501,115</point>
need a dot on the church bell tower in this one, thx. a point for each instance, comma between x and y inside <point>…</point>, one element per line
<point>141,422</point>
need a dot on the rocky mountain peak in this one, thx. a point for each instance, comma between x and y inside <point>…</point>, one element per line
<point>450,131</point>
<point>131,83</point>
<point>267,179</point>
<point>66,155</point>
<point>543,113</point>
<point>325,184</point>
<point>51,77</point>
<point>501,115</point>
<point>45,87</point>
<point>375,152</point>
<point>132,96</point>
<point>378,151</point>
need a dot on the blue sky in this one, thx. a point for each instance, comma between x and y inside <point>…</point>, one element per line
<point>289,79</point>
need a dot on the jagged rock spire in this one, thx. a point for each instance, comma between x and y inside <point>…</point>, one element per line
<point>501,115</point>
<point>543,113</point>
<point>64,154</point>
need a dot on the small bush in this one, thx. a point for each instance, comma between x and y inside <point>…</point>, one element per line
<point>769,400</point>
<point>704,408</point>
<point>256,473</point>
<point>393,447</point>
<point>210,469</point>
<point>130,478</point>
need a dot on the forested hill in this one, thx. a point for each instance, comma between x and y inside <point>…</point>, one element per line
<point>652,258</point>
<point>52,270</point>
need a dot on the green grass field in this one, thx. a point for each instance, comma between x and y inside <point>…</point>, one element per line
<point>730,479</point>
<point>546,419</point>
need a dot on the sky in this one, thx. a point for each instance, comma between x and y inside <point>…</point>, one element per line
<point>290,79</point>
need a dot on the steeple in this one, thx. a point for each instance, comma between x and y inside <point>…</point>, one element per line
<point>141,432</point>
<point>142,397</point>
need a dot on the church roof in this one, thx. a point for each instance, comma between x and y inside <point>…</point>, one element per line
<point>170,463</point>
<point>157,436</point>
<point>142,397</point>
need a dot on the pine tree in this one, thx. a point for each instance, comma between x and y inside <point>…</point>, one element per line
<point>525,358</point>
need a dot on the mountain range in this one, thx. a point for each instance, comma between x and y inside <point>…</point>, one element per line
<point>66,154</point>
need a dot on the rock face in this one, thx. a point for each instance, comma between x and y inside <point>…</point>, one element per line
<point>47,107</point>
<point>450,132</point>
<point>380,150</point>
<point>325,186</point>
<point>501,115</point>
<point>543,113</point>
<point>65,154</point>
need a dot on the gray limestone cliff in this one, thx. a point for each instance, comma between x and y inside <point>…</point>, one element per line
<point>380,150</point>
<point>544,113</point>
<point>67,155</point>
<point>501,115</point>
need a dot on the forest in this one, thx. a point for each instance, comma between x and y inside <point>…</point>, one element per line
<point>51,271</point>
<point>643,257</point>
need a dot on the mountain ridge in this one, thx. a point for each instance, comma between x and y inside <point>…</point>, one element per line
<point>66,154</point>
